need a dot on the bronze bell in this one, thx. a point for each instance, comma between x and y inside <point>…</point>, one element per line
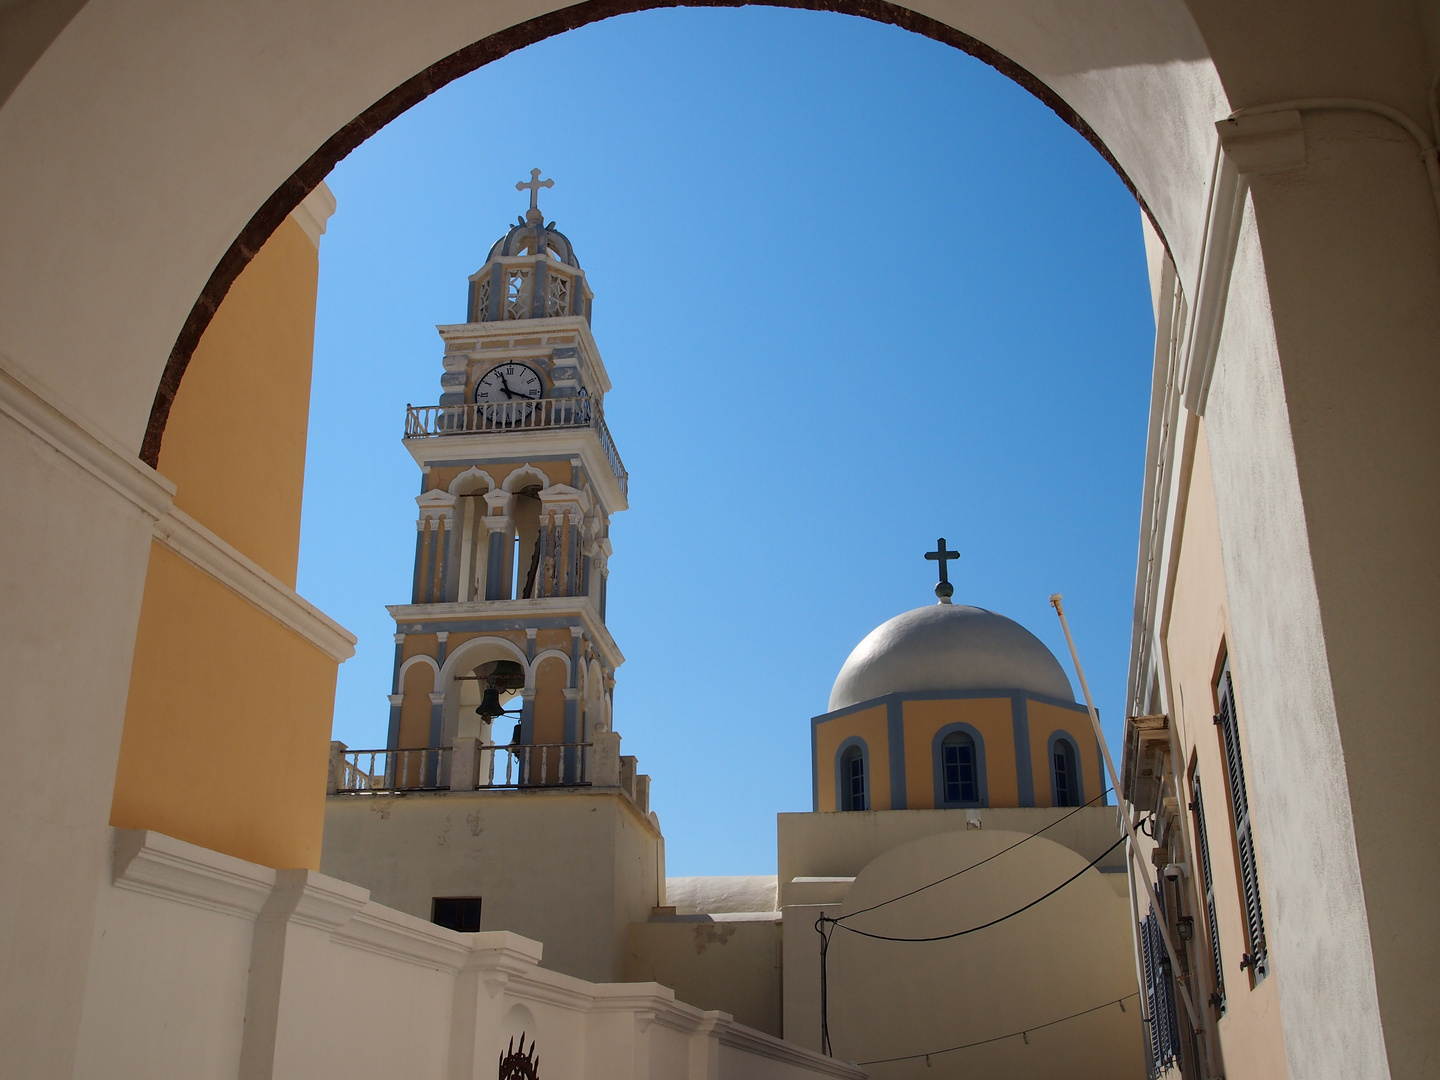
<point>490,704</point>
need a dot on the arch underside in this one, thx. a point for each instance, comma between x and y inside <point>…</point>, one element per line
<point>1077,75</point>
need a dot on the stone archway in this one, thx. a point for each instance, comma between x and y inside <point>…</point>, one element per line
<point>136,143</point>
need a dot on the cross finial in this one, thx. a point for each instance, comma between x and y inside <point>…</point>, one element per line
<point>535,184</point>
<point>944,590</point>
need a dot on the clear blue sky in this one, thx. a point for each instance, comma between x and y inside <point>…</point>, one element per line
<point>855,291</point>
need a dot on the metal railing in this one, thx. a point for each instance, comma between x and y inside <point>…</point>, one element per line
<point>519,765</point>
<point>480,418</point>
<point>418,769</point>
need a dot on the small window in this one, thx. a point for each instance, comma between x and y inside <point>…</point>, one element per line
<point>1065,772</point>
<point>460,913</point>
<point>957,766</point>
<point>852,776</point>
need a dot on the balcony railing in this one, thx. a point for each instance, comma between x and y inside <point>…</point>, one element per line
<point>431,768</point>
<point>483,418</point>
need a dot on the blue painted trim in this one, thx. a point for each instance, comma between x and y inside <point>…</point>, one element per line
<point>852,741</point>
<point>1100,768</point>
<point>982,785</point>
<point>497,293</point>
<point>539,284</point>
<point>951,695</point>
<point>814,770</point>
<point>460,626</point>
<point>392,736</point>
<point>527,720</point>
<point>1024,768</point>
<point>895,732</point>
<point>434,535</point>
<point>1061,735</point>
<point>395,675</point>
<point>495,565</point>
<point>419,562</point>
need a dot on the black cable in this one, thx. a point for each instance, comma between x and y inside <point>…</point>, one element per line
<point>983,926</point>
<point>999,1038</point>
<point>972,866</point>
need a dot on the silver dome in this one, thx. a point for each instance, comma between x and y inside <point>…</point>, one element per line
<point>948,647</point>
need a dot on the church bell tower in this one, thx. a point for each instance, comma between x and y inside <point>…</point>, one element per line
<point>504,667</point>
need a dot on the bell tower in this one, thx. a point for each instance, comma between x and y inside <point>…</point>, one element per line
<point>504,667</point>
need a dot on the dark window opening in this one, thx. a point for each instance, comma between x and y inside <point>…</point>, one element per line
<point>957,762</point>
<point>460,913</point>
<point>852,773</point>
<point>1067,785</point>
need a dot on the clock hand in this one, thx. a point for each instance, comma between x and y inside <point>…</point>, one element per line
<point>506,387</point>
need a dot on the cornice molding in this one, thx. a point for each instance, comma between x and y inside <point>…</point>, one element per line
<point>314,212</point>
<point>197,545</point>
<point>57,426</point>
<point>385,932</point>
<point>161,866</point>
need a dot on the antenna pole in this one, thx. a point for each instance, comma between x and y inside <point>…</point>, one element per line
<point>1125,815</point>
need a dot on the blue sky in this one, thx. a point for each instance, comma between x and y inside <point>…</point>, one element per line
<point>855,290</point>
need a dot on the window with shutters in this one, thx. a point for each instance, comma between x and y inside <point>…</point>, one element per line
<point>1207,882</point>
<point>1255,959</point>
<point>1163,1022</point>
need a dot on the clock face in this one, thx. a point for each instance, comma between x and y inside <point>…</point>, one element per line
<point>509,381</point>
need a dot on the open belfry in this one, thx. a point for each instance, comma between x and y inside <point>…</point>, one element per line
<point>500,711</point>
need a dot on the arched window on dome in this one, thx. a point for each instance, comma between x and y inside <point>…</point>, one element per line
<point>959,752</point>
<point>852,775</point>
<point>1065,785</point>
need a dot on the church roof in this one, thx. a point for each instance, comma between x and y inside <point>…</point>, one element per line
<point>533,237</point>
<point>948,647</point>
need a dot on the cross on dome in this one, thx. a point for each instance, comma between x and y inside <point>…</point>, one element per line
<point>534,186</point>
<point>944,590</point>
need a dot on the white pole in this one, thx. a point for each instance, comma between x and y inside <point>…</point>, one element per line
<point>1125,815</point>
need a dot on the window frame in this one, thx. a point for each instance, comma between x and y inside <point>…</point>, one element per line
<point>843,791</point>
<point>937,755</point>
<point>1207,888</point>
<point>1060,735</point>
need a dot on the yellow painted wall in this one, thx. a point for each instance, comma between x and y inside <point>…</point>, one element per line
<point>870,725</point>
<point>227,725</point>
<point>1251,1039</point>
<point>989,716</point>
<point>415,707</point>
<point>1045,720</point>
<point>235,441</point>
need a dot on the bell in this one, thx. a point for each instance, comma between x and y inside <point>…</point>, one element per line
<point>490,704</point>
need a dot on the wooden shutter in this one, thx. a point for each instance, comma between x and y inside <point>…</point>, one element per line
<point>1255,957</point>
<point>1207,880</point>
<point>1163,1022</point>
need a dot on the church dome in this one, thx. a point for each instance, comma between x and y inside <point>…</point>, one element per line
<point>533,237</point>
<point>948,647</point>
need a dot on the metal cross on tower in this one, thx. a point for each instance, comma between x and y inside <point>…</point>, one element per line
<point>534,186</point>
<point>944,590</point>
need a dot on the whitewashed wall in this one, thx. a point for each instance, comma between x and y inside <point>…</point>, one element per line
<point>203,965</point>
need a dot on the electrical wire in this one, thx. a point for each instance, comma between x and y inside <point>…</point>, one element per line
<point>982,862</point>
<point>983,926</point>
<point>999,1038</point>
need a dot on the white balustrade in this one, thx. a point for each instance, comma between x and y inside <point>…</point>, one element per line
<point>495,417</point>
<point>429,768</point>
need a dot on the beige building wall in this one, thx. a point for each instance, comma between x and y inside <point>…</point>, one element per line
<point>570,867</point>
<point>1251,1041</point>
<point>891,999</point>
<point>730,962</point>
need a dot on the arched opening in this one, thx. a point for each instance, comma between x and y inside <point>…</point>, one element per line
<point>1142,75</point>
<point>852,775</point>
<point>1066,785</point>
